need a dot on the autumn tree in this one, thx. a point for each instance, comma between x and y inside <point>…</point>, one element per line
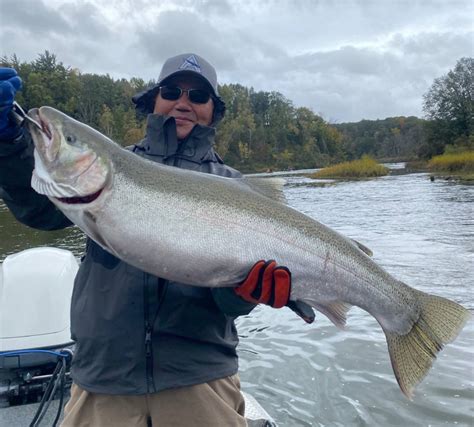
<point>261,130</point>
<point>449,105</point>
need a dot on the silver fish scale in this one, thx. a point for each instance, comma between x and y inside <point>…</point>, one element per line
<point>208,231</point>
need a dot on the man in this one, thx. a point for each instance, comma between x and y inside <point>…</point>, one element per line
<point>147,348</point>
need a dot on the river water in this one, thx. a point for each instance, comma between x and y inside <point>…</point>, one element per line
<point>422,232</point>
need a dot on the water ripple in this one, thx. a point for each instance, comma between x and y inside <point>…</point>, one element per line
<point>422,232</point>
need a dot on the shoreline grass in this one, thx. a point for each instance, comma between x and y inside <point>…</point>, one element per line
<point>366,167</point>
<point>453,162</point>
<point>458,166</point>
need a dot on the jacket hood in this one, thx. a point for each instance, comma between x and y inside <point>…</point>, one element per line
<point>197,147</point>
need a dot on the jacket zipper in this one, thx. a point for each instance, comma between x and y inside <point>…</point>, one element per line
<point>149,359</point>
<point>153,297</point>
<point>148,343</point>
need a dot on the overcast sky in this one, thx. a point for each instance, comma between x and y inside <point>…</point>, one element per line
<point>347,60</point>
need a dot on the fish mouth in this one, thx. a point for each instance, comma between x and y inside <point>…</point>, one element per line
<point>35,118</point>
<point>45,126</point>
<point>42,130</point>
<point>80,200</point>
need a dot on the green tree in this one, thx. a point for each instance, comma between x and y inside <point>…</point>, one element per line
<point>235,133</point>
<point>261,130</point>
<point>393,138</point>
<point>449,104</point>
<point>106,121</point>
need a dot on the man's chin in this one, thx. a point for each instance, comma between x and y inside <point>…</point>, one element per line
<point>183,129</point>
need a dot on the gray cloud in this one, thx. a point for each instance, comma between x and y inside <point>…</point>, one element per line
<point>170,35</point>
<point>37,19</point>
<point>34,18</point>
<point>346,60</point>
<point>85,19</point>
<point>217,7</point>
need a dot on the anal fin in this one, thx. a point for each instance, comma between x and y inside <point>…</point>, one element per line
<point>336,312</point>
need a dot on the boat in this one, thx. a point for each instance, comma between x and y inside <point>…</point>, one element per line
<point>35,345</point>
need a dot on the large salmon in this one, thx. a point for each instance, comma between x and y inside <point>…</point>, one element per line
<point>206,230</point>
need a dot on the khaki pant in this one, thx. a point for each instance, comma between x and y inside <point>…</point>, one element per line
<point>218,403</point>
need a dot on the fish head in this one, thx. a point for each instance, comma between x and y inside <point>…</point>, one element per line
<point>70,159</point>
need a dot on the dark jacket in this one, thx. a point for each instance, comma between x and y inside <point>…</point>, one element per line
<point>136,333</point>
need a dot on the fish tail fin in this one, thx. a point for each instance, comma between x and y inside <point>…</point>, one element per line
<point>412,354</point>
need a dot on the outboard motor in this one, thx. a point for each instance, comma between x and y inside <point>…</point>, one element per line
<point>35,294</point>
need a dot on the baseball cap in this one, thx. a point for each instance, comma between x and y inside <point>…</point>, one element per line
<point>190,63</point>
<point>184,63</point>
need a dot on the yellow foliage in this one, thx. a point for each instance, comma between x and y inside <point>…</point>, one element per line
<point>453,162</point>
<point>132,136</point>
<point>362,168</point>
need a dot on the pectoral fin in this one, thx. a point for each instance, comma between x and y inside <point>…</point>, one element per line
<point>303,310</point>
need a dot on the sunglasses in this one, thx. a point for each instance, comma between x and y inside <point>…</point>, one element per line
<point>196,96</point>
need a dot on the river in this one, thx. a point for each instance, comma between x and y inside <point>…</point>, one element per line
<point>422,232</point>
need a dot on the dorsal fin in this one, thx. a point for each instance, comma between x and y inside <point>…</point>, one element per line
<point>362,247</point>
<point>269,187</point>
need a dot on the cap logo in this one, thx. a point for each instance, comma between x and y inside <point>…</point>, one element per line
<point>191,63</point>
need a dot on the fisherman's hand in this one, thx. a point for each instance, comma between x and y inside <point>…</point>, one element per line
<point>10,84</point>
<point>267,284</point>
<point>270,284</point>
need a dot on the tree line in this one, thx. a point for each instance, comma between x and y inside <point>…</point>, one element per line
<point>261,130</point>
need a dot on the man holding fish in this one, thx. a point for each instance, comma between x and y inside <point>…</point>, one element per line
<point>148,348</point>
<point>202,229</point>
